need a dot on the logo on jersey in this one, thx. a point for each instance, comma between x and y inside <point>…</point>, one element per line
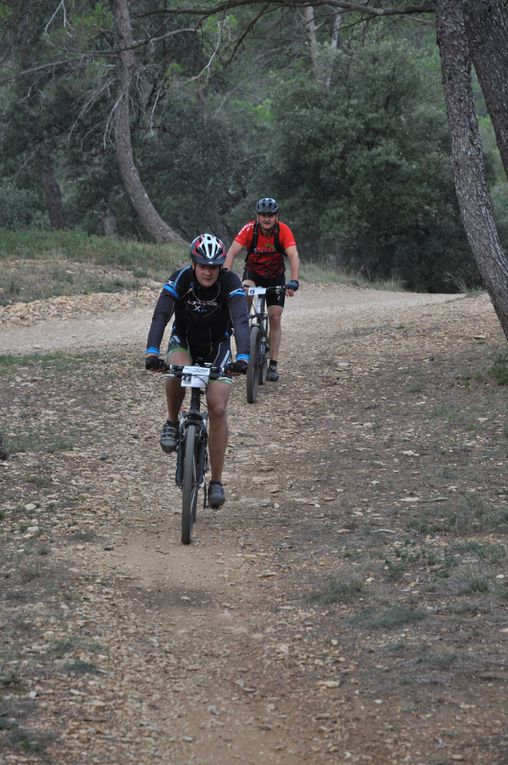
<point>202,306</point>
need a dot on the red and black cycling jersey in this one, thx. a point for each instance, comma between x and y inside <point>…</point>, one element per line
<point>204,316</point>
<point>266,259</point>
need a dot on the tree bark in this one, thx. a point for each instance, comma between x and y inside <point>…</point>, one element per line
<point>140,201</point>
<point>468,167</point>
<point>487,34</point>
<point>321,66</point>
<point>109,223</point>
<point>51,187</point>
<point>335,43</point>
<point>310,31</point>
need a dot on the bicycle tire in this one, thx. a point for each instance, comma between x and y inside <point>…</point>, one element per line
<point>253,368</point>
<point>190,487</point>
<point>263,364</point>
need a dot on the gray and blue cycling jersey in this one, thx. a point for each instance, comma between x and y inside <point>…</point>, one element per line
<point>204,316</point>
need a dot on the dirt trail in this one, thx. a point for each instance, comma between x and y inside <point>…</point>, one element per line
<point>213,654</point>
<point>99,327</point>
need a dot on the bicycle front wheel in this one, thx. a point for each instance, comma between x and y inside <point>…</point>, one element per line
<point>190,486</point>
<point>263,360</point>
<point>253,368</point>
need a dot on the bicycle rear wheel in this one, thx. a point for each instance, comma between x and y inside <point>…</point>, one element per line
<point>190,486</point>
<point>253,368</point>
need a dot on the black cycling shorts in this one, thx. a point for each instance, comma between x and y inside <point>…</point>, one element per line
<point>272,298</point>
<point>217,355</point>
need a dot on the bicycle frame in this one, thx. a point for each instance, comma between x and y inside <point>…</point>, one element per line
<point>258,329</point>
<point>258,315</point>
<point>194,416</point>
<point>192,452</point>
<point>192,377</point>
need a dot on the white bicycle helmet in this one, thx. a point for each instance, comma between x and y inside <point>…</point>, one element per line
<point>208,250</point>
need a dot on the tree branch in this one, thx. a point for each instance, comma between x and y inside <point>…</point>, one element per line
<point>424,7</point>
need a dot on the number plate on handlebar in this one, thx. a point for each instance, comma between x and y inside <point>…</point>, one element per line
<point>195,377</point>
<point>256,291</point>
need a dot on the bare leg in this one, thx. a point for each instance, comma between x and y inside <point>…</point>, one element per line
<point>175,394</point>
<point>217,397</point>
<point>275,319</point>
<point>248,283</point>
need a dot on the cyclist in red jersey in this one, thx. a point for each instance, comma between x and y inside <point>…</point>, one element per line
<point>268,242</point>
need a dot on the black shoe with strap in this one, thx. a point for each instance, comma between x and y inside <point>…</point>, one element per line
<point>216,496</point>
<point>169,437</point>
<point>271,374</point>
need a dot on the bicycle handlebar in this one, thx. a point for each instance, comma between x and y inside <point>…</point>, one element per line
<point>263,290</point>
<point>176,370</point>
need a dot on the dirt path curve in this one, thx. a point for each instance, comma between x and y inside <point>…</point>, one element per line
<point>210,655</point>
<point>99,327</point>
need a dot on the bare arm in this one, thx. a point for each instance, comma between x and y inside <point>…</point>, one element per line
<point>294,264</point>
<point>294,261</point>
<point>231,254</point>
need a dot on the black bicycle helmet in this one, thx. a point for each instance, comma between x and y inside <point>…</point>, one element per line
<point>208,250</point>
<point>267,205</point>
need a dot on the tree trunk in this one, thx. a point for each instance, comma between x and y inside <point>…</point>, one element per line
<point>51,187</point>
<point>310,31</point>
<point>487,34</point>
<point>140,201</point>
<point>322,65</point>
<point>43,152</point>
<point>335,43</point>
<point>468,167</point>
<point>109,223</point>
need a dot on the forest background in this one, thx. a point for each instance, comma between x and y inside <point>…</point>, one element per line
<point>339,115</point>
<point>125,129</point>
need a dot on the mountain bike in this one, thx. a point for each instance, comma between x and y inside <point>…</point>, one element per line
<point>259,349</point>
<point>192,446</point>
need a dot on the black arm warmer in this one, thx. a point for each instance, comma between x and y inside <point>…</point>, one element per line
<point>240,321</point>
<point>162,314</point>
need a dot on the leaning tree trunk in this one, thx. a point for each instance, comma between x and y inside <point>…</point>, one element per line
<point>468,167</point>
<point>487,34</point>
<point>50,186</point>
<point>136,192</point>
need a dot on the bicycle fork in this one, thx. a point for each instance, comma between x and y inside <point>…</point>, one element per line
<point>200,449</point>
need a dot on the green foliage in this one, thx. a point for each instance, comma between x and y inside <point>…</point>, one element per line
<point>356,146</point>
<point>190,182</point>
<point>19,207</point>
<point>499,370</point>
<point>395,616</point>
<point>80,667</point>
<point>339,589</point>
<point>499,196</point>
<point>364,170</point>
<point>157,260</point>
